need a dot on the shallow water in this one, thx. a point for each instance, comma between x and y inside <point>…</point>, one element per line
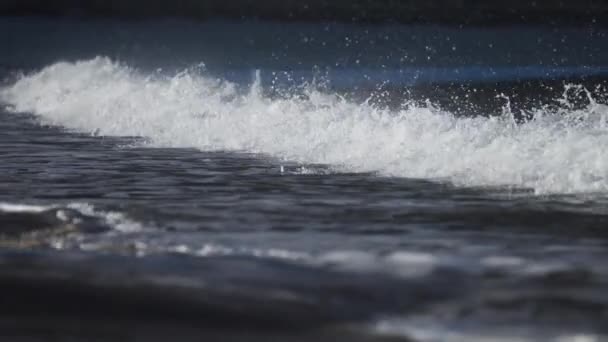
<point>195,204</point>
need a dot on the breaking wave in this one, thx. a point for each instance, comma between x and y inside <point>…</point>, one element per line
<point>555,152</point>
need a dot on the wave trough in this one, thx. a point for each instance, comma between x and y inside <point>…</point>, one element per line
<point>562,152</point>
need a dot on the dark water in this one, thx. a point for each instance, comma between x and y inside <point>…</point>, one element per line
<point>140,205</point>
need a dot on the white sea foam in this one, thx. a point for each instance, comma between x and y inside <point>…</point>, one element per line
<point>22,208</point>
<point>431,329</point>
<point>564,153</point>
<point>399,263</point>
<point>116,220</point>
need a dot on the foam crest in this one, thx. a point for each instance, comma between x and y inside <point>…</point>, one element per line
<point>560,152</point>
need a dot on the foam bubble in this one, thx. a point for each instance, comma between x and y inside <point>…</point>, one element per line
<point>558,153</point>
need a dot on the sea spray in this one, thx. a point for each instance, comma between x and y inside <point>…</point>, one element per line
<point>557,151</point>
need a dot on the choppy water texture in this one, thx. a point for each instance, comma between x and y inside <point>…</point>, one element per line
<point>204,205</point>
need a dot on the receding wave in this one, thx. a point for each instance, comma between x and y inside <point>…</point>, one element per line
<point>561,151</point>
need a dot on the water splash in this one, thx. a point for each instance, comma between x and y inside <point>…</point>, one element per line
<point>559,150</point>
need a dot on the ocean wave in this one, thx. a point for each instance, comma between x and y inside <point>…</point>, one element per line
<point>558,151</point>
